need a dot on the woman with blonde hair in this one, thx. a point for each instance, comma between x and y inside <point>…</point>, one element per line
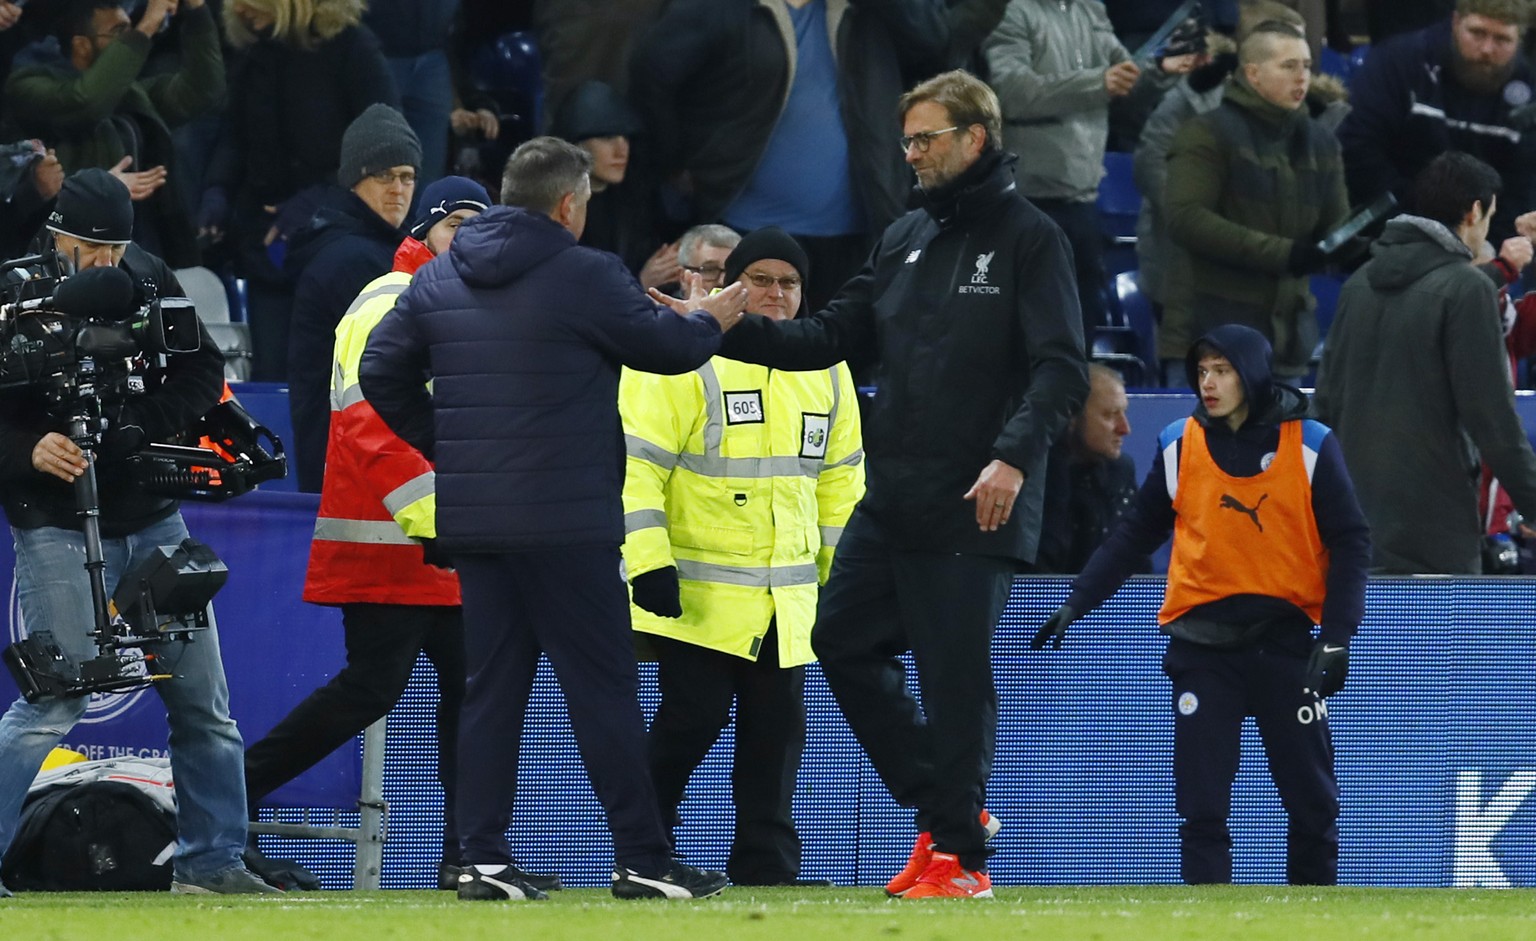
<point>301,71</point>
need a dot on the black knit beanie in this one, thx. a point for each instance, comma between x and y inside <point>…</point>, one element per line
<point>767,242</point>
<point>376,140</point>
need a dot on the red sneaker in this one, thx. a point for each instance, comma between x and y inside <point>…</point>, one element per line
<point>917,864</point>
<point>945,878</point>
<point>922,856</point>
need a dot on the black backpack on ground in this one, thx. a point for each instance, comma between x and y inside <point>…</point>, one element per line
<point>102,836</point>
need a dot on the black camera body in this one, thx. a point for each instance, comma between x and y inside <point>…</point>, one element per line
<point>75,341</point>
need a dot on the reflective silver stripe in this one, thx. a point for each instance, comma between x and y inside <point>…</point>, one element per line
<point>644,519</point>
<point>336,380</point>
<point>1171,468</point>
<point>784,576</point>
<point>641,449</point>
<point>350,396</point>
<point>373,532</point>
<point>830,535</point>
<point>754,468</point>
<point>388,290</point>
<point>837,394</point>
<point>1487,130</point>
<point>714,409</point>
<point>852,460</point>
<point>422,485</point>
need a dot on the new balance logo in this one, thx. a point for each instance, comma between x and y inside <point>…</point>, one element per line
<point>1230,502</point>
<point>912,255</point>
<point>967,881</point>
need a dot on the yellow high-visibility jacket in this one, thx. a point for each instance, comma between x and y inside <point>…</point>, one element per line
<point>743,477</point>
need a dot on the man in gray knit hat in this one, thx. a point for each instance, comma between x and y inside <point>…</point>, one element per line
<point>351,241</point>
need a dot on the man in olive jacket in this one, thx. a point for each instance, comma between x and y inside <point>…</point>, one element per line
<point>1252,186</point>
<point>81,91</point>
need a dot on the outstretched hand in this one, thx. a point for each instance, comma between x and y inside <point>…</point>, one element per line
<point>1054,630</point>
<point>726,305</point>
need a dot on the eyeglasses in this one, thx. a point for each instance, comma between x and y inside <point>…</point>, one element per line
<point>386,177</point>
<point>924,139</point>
<point>709,272</point>
<point>786,284</point>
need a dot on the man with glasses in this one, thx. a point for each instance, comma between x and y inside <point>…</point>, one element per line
<point>738,483</point>
<point>968,308</point>
<point>351,241</point>
<point>83,91</point>
<point>702,251</point>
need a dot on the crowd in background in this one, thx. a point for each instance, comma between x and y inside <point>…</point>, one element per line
<point>225,118</point>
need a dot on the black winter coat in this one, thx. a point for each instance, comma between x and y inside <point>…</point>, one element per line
<point>522,332</point>
<point>711,77</point>
<point>970,308</point>
<point>332,260</point>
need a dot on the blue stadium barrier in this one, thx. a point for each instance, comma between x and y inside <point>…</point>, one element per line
<point>1433,749</point>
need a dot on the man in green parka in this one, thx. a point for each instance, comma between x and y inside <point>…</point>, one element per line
<point>1252,186</point>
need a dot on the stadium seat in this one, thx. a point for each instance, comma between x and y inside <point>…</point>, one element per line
<point>209,295</point>
<point>1337,64</point>
<point>1119,201</point>
<point>1127,343</point>
<point>511,70</point>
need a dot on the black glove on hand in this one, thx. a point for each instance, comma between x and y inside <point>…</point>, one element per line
<point>656,591</point>
<point>434,556</point>
<point>1054,629</point>
<point>1326,669</point>
<point>1305,258</point>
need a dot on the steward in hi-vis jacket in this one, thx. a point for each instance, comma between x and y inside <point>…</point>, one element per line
<point>738,483</point>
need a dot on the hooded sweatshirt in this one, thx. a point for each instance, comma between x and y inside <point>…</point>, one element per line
<point>522,332</point>
<point>1243,619</point>
<point>1415,382</point>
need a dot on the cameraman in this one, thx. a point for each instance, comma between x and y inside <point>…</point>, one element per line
<point>38,467</point>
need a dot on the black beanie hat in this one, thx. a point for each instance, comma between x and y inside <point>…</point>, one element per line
<point>95,206</point>
<point>768,242</point>
<point>376,140</point>
<point>594,109</point>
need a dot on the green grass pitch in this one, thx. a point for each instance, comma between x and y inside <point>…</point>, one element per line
<point>1114,913</point>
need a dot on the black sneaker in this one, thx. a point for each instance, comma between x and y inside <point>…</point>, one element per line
<point>503,885</point>
<point>681,881</point>
<point>448,878</point>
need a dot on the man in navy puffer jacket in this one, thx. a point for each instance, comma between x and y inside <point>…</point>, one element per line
<point>522,332</point>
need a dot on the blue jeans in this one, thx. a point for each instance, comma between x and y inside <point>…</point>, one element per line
<point>207,757</point>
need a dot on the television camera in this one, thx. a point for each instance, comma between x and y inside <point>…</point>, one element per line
<point>74,341</point>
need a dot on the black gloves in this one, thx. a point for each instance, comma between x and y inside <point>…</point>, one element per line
<point>1326,669</point>
<point>1054,629</point>
<point>434,556</point>
<point>1305,258</point>
<point>656,592</point>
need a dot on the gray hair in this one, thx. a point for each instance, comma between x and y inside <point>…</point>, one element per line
<point>718,236</point>
<point>542,171</point>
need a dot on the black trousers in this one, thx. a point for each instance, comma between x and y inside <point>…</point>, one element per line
<point>569,604</point>
<point>698,686</point>
<point>383,641</point>
<point>880,602</point>
<point>1213,691</point>
<point>1079,222</point>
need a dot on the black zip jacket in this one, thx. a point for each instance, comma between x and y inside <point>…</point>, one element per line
<point>176,395</point>
<point>970,307</point>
